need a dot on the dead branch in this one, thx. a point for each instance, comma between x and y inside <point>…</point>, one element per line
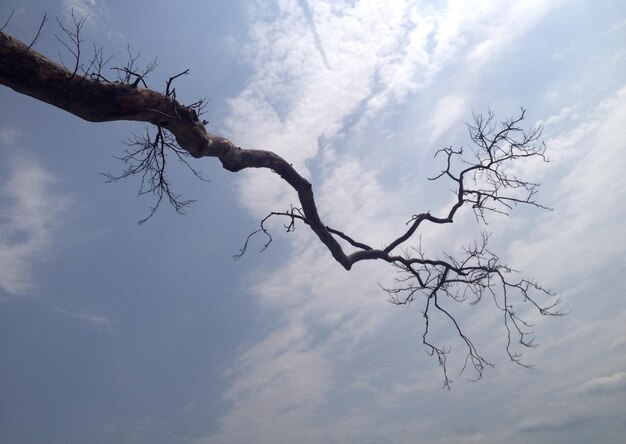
<point>74,44</point>
<point>482,182</point>
<point>6,23</point>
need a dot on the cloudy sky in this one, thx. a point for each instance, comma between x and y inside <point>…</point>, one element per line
<point>112,332</point>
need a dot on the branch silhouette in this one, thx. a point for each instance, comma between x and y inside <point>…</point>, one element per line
<point>481,178</point>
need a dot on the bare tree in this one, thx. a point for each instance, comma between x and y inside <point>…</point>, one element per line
<point>480,178</point>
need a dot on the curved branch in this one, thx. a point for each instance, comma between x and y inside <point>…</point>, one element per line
<point>485,184</point>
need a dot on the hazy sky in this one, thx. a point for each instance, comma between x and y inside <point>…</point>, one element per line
<point>112,332</point>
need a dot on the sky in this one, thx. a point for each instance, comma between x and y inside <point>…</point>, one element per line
<point>113,332</point>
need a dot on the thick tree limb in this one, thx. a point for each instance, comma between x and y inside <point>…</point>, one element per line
<point>28,72</point>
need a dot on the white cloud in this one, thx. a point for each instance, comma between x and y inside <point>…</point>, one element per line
<point>95,321</point>
<point>8,136</point>
<point>605,385</point>
<point>93,10</point>
<point>474,438</point>
<point>375,54</point>
<point>448,112</point>
<point>280,385</point>
<point>30,213</point>
<point>97,20</point>
<point>618,343</point>
<point>505,26</point>
<point>547,424</point>
<point>589,159</point>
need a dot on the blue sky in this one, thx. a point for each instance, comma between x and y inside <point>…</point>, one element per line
<point>113,332</point>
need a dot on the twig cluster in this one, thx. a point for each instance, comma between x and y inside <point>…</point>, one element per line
<point>73,45</point>
<point>146,155</point>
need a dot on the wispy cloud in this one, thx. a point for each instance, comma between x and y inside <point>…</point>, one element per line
<point>97,20</point>
<point>30,211</point>
<point>590,163</point>
<point>605,385</point>
<point>506,26</point>
<point>92,320</point>
<point>568,423</point>
<point>448,112</point>
<point>373,55</point>
<point>618,343</point>
<point>94,10</point>
<point>282,381</point>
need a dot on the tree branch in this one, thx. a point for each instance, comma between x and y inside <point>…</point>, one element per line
<point>483,184</point>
